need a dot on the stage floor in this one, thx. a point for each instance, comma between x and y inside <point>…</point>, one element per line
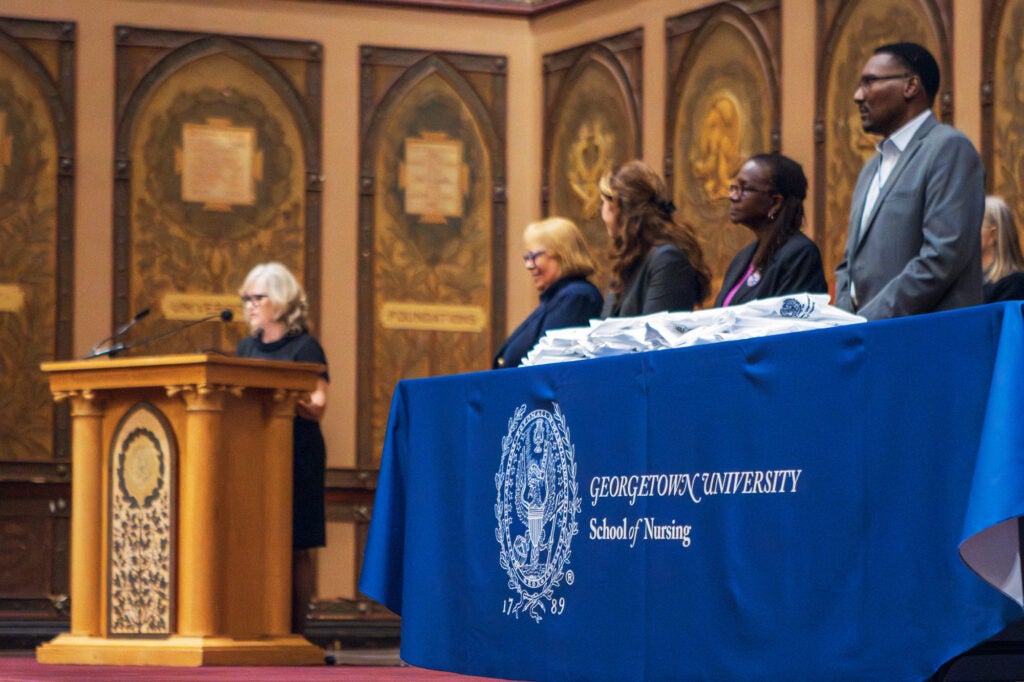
<point>363,665</point>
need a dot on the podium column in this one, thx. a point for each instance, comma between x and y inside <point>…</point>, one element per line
<point>86,518</point>
<point>200,542</point>
<point>277,610</point>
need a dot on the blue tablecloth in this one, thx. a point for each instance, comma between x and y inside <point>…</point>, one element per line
<point>790,507</point>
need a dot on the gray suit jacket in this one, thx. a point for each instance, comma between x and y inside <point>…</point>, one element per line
<point>920,249</point>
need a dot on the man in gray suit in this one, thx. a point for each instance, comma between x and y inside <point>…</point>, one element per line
<point>913,244</point>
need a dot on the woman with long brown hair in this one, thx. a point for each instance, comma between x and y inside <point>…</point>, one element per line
<point>657,262</point>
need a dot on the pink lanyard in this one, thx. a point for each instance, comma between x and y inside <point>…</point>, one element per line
<point>744,278</point>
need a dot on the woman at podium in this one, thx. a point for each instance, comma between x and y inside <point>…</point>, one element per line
<point>275,309</point>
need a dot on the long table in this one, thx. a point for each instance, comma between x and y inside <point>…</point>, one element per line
<point>838,504</point>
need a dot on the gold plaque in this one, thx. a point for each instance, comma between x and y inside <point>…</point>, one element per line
<point>433,176</point>
<point>12,298</point>
<point>433,317</point>
<point>185,307</point>
<point>218,165</point>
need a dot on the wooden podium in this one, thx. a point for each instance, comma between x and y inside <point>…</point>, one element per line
<point>181,497</point>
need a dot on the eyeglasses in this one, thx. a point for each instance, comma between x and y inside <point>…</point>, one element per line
<point>253,299</point>
<point>531,257</point>
<point>741,191</point>
<point>866,82</point>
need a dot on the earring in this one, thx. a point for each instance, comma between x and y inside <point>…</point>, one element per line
<point>771,217</point>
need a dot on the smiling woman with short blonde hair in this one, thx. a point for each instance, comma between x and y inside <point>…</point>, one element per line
<point>558,261</point>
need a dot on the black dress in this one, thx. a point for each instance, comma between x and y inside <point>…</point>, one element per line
<point>308,450</point>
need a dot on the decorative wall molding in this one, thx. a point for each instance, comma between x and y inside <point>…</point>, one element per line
<point>524,8</point>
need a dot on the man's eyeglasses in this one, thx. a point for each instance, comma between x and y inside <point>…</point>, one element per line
<point>866,82</point>
<point>531,257</point>
<point>740,191</point>
<point>253,299</point>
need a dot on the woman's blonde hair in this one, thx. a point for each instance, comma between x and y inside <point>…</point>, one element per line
<point>1007,258</point>
<point>287,298</point>
<point>564,241</point>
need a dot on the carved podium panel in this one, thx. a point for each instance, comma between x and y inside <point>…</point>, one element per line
<point>181,511</point>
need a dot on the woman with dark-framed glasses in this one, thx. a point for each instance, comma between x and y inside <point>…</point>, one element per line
<point>767,197</point>
<point>559,262</point>
<point>275,310</point>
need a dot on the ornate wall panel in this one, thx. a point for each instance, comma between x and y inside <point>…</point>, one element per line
<point>1003,103</point>
<point>431,222</point>
<point>722,107</point>
<point>592,109</point>
<point>37,103</point>
<point>37,61</point>
<point>217,168</point>
<point>850,31</point>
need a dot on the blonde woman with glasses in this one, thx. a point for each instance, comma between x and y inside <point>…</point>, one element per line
<point>1001,259</point>
<point>275,309</point>
<point>559,262</point>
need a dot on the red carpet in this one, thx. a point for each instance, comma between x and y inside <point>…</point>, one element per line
<point>24,668</point>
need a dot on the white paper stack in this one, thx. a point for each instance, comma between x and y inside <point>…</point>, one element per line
<point>620,335</point>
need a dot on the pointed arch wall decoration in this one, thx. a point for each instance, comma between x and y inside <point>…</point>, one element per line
<point>37,309</point>
<point>37,100</point>
<point>722,107</point>
<point>432,219</point>
<point>849,31</point>
<point>592,112</point>
<point>217,169</point>
<point>1002,102</point>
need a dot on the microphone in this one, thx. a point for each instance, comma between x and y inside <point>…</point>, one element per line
<point>112,348</point>
<point>224,316</point>
<point>131,323</point>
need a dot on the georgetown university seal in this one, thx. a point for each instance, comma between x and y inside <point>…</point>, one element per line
<point>536,510</point>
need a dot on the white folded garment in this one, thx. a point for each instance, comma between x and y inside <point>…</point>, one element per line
<point>620,335</point>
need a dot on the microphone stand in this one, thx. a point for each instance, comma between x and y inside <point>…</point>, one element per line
<point>115,348</point>
<point>224,316</point>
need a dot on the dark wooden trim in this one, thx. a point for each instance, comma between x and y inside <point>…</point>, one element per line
<point>352,624</point>
<point>993,15</point>
<point>35,473</point>
<point>35,503</point>
<point>519,8</point>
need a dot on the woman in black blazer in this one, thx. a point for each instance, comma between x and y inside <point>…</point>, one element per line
<point>657,261</point>
<point>768,198</point>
